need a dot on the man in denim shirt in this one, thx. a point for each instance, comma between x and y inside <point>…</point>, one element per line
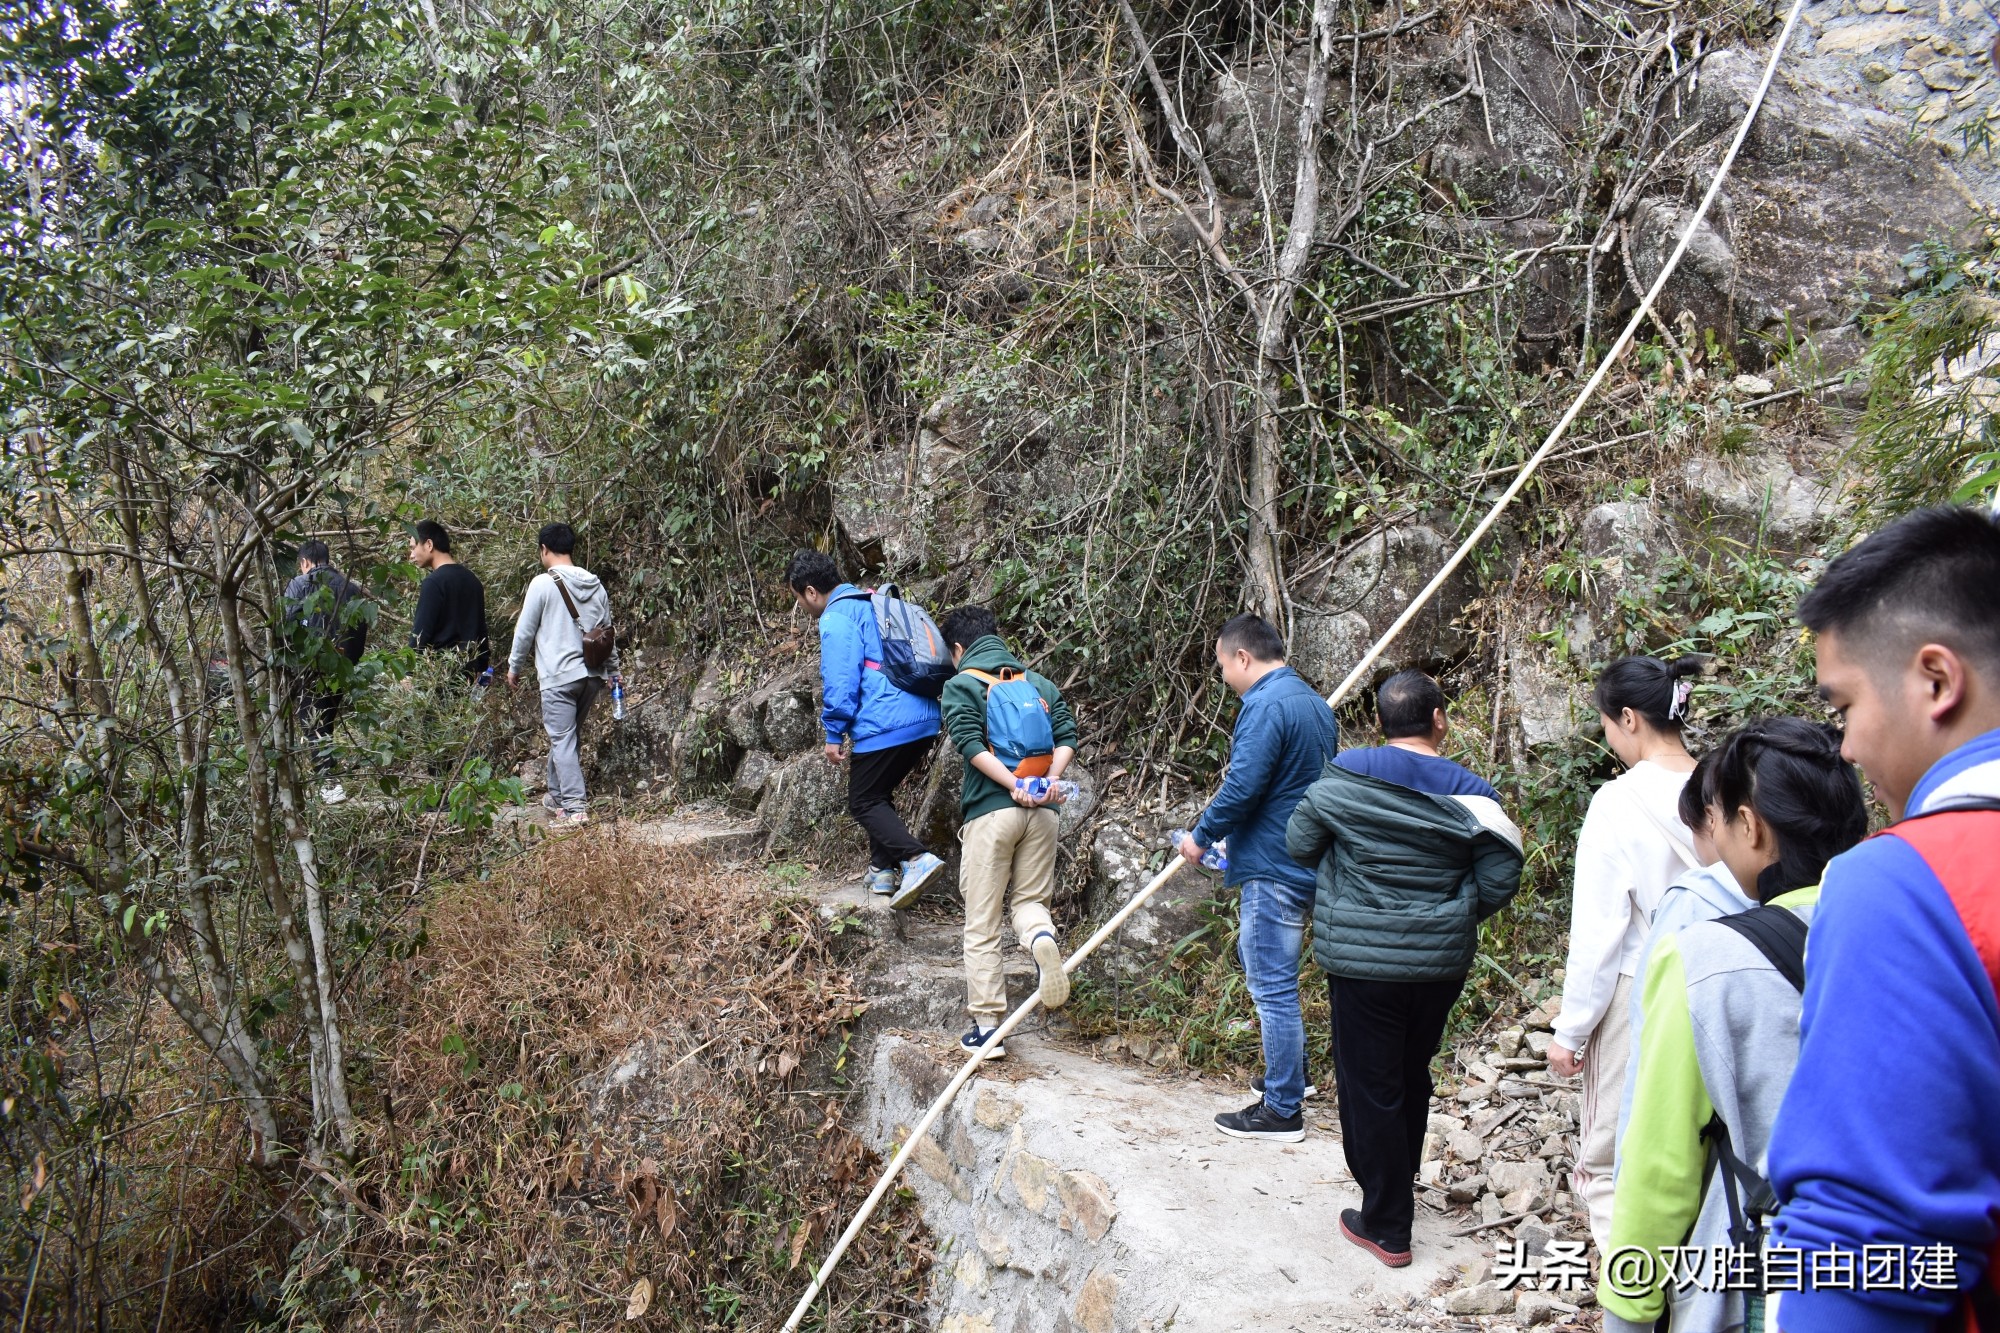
<point>1284,736</point>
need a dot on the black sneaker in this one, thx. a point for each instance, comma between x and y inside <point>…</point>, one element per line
<point>1257,1086</point>
<point>1350,1227</point>
<point>976,1039</point>
<point>1259,1121</point>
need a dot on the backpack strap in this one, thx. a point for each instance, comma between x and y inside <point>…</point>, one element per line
<point>1779,934</point>
<point>1006,674</point>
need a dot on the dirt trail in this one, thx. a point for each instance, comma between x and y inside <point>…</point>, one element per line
<point>1068,1191</point>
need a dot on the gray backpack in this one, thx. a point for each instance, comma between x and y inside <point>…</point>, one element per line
<point>914,655</point>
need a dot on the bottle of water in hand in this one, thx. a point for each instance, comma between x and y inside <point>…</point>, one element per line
<point>1216,858</point>
<point>1038,789</point>
<point>617,698</point>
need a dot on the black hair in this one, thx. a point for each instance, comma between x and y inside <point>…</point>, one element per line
<point>316,551</point>
<point>812,569</point>
<point>558,537</point>
<point>1695,794</point>
<point>1790,772</point>
<point>964,626</point>
<point>1932,576</point>
<point>1254,635</point>
<point>432,531</point>
<point>1406,703</point>
<point>1646,685</point>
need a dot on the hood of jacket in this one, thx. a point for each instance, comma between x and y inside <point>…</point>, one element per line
<point>583,585</point>
<point>1405,877</point>
<point>989,653</point>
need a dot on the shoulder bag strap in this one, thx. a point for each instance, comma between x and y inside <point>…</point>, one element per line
<point>576,619</point>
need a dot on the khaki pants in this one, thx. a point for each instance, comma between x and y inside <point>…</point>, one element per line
<point>1604,1059</point>
<point>1016,846</point>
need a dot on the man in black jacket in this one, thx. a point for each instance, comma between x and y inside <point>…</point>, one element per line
<point>1413,853</point>
<point>333,611</point>
<point>451,604</point>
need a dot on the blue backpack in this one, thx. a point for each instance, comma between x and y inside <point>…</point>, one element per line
<point>914,656</point>
<point>1017,723</point>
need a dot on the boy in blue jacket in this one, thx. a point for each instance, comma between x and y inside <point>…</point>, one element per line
<point>1284,736</point>
<point>892,730</point>
<point>1887,1145</point>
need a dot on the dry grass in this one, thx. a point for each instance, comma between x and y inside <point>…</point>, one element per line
<point>611,1067</point>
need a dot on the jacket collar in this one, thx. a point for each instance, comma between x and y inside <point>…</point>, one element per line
<point>1969,773</point>
<point>988,653</point>
<point>1267,678</point>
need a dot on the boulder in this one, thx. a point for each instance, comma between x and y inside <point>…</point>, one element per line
<point>1367,589</point>
<point>634,751</point>
<point>1630,538</point>
<point>788,715</point>
<point>701,747</point>
<point>744,727</point>
<point>1121,865</point>
<point>1251,134</point>
<point>802,796</point>
<point>1547,705</point>
<point>1803,229</point>
<point>1759,491</point>
<point>746,788</point>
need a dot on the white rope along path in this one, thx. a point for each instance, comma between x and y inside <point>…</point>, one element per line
<point>1175,862</point>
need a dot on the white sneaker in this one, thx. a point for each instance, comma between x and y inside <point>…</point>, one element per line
<point>332,794</point>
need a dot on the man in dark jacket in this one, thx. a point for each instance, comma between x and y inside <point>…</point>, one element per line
<point>1284,735</point>
<point>332,609</point>
<point>451,604</point>
<point>1413,853</point>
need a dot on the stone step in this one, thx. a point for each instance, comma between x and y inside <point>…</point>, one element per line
<point>704,833</point>
<point>1065,1192</point>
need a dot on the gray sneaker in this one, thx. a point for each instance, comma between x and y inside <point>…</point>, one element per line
<point>882,883</point>
<point>1052,982</point>
<point>916,874</point>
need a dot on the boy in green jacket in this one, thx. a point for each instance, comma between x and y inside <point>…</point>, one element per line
<point>1009,724</point>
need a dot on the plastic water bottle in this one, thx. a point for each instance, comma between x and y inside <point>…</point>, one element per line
<point>1039,788</point>
<point>1215,858</point>
<point>617,698</point>
<point>486,678</point>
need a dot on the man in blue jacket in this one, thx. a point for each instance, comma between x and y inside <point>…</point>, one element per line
<point>1284,736</point>
<point>892,730</point>
<point>1886,1149</point>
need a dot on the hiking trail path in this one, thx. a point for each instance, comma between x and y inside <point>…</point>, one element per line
<point>1070,1191</point>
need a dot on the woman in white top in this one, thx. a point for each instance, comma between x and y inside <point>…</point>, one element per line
<point>1632,846</point>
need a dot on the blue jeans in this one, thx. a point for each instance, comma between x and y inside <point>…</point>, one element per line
<point>1272,927</point>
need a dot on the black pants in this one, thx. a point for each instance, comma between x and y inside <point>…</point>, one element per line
<point>872,779</point>
<point>319,709</point>
<point>1384,1035</point>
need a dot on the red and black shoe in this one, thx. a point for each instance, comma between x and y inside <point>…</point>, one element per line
<point>1350,1227</point>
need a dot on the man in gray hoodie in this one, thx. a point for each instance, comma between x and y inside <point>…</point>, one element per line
<point>554,625</point>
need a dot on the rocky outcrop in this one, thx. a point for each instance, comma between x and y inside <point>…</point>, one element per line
<point>1367,589</point>
<point>1759,491</point>
<point>1122,862</point>
<point>802,797</point>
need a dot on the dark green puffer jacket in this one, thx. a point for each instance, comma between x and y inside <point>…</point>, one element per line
<point>1405,877</point>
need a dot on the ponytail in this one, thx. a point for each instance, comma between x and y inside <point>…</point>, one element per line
<point>1655,690</point>
<point>1790,772</point>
